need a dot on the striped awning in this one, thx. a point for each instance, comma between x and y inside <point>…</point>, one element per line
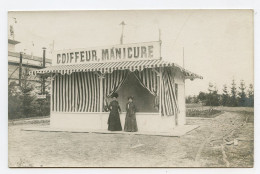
<point>109,67</point>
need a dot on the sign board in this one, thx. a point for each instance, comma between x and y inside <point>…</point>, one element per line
<point>41,96</point>
<point>115,53</point>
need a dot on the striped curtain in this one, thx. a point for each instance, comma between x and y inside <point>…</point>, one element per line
<point>169,102</point>
<point>112,83</point>
<point>148,79</point>
<point>78,92</point>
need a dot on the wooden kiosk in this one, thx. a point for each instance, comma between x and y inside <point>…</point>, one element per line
<point>84,79</point>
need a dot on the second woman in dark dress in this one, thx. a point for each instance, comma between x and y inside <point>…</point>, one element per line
<point>114,123</point>
<point>130,119</point>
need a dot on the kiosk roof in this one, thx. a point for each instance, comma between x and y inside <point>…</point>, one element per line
<point>109,67</point>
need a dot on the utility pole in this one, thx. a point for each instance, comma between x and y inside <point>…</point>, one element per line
<point>20,68</point>
<point>183,55</point>
<point>160,41</point>
<point>122,34</point>
<point>43,65</point>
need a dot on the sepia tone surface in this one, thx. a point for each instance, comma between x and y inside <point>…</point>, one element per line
<point>200,148</point>
<point>216,44</point>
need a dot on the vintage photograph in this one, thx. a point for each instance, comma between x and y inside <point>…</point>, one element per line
<point>131,88</point>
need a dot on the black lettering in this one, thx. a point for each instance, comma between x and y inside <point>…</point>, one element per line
<point>87,56</point>
<point>82,56</point>
<point>124,52</point>
<point>63,58</point>
<point>129,50</point>
<point>71,57</point>
<point>58,58</point>
<point>136,52</point>
<point>67,57</point>
<point>143,52</point>
<point>105,55</point>
<point>112,55</point>
<point>76,56</point>
<point>118,53</point>
<point>94,55</point>
<point>150,51</point>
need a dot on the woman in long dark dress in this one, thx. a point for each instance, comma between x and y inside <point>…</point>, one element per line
<point>130,119</point>
<point>114,123</point>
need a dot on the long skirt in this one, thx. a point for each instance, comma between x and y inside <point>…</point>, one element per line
<point>130,123</point>
<point>114,123</point>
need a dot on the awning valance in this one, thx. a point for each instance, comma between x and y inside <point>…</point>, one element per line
<point>109,67</point>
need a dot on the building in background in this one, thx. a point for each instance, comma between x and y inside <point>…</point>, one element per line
<point>29,62</point>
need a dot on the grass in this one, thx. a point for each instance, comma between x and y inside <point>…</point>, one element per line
<point>209,113</point>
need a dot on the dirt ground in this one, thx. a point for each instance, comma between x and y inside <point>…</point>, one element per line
<point>224,141</point>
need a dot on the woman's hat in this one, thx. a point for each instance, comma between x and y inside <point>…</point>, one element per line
<point>114,95</point>
<point>130,97</point>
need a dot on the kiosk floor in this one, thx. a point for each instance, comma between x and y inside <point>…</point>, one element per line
<point>177,132</point>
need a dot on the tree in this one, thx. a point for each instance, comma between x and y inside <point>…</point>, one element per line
<point>242,94</point>
<point>210,95</point>
<point>250,94</point>
<point>215,96</point>
<point>26,88</point>
<point>225,96</point>
<point>13,101</point>
<point>202,97</point>
<point>188,99</point>
<point>233,98</point>
<point>195,99</point>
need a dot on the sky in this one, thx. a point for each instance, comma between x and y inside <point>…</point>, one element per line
<point>217,44</point>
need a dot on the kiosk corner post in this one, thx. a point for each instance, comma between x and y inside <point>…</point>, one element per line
<point>101,93</point>
<point>161,101</point>
<point>51,95</point>
<point>101,77</point>
<point>159,75</point>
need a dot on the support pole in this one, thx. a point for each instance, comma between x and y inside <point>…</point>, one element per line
<point>183,57</point>
<point>51,95</point>
<point>122,34</point>
<point>43,65</point>
<point>160,42</point>
<point>161,102</point>
<point>101,93</point>
<point>159,74</point>
<point>100,76</point>
<point>20,68</point>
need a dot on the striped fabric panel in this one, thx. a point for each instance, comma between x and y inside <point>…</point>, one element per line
<point>148,79</point>
<point>169,100</point>
<point>112,82</point>
<point>78,92</point>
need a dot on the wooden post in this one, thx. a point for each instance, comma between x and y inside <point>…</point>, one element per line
<point>122,34</point>
<point>20,68</point>
<point>51,95</point>
<point>101,93</point>
<point>100,76</point>
<point>183,56</point>
<point>43,65</point>
<point>160,41</point>
<point>160,75</point>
